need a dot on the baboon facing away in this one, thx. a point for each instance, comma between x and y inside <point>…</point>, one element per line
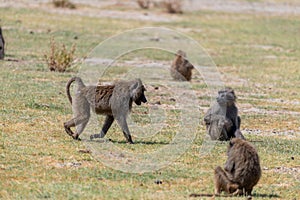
<point>181,68</point>
<point>242,169</point>
<point>222,120</point>
<point>2,44</point>
<point>114,101</point>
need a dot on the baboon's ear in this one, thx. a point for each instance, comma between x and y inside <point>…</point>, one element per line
<point>134,88</point>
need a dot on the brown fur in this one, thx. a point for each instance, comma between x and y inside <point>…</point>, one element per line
<point>114,101</point>
<point>181,68</point>
<point>173,6</point>
<point>145,4</point>
<point>222,120</point>
<point>242,169</point>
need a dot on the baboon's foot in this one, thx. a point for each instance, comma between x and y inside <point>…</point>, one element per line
<point>69,131</point>
<point>94,136</point>
<point>238,192</point>
<point>75,136</point>
<point>129,140</point>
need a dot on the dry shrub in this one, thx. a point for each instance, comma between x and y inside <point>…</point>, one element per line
<point>59,58</point>
<point>63,4</point>
<point>144,4</point>
<point>173,6</point>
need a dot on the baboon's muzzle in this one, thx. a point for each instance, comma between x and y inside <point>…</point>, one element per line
<point>141,99</point>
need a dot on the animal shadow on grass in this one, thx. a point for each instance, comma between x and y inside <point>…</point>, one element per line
<point>270,196</point>
<point>265,195</point>
<point>104,140</point>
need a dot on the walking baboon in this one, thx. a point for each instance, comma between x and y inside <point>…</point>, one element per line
<point>2,44</point>
<point>181,68</point>
<point>222,118</point>
<point>241,171</point>
<point>114,101</point>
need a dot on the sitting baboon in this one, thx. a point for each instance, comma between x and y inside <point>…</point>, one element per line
<point>242,169</point>
<point>2,44</point>
<point>222,120</point>
<point>114,101</point>
<point>145,4</point>
<point>181,68</point>
<point>173,6</point>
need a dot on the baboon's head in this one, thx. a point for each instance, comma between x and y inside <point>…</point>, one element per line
<point>226,97</point>
<point>234,143</point>
<point>181,60</point>
<point>137,90</point>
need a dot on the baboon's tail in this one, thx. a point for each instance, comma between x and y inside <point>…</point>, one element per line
<point>79,83</point>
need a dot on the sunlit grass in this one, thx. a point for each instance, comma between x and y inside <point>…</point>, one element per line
<point>258,55</point>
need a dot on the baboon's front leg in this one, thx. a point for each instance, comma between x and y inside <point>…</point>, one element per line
<point>107,124</point>
<point>122,122</point>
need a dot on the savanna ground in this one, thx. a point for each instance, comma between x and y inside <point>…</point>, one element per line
<point>256,53</point>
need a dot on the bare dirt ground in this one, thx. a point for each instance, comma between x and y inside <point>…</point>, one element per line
<point>96,8</point>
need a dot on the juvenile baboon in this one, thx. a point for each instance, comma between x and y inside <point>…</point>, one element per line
<point>114,101</point>
<point>2,44</point>
<point>181,68</point>
<point>222,120</point>
<point>145,4</point>
<point>241,171</point>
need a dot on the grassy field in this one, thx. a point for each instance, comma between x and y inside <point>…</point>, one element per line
<point>257,55</point>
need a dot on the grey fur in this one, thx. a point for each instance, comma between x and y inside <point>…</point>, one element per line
<point>2,45</point>
<point>222,120</point>
<point>114,101</point>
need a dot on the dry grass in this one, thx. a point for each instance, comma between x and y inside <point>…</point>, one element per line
<point>59,58</point>
<point>258,55</point>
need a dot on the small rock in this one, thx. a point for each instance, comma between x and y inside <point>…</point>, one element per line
<point>84,151</point>
<point>156,39</point>
<point>172,99</point>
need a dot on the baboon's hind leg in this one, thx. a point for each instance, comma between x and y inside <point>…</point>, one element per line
<point>68,125</point>
<point>79,122</point>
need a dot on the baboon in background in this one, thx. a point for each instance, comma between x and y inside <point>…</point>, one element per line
<point>181,68</point>
<point>114,101</point>
<point>173,6</point>
<point>242,169</point>
<point>145,4</point>
<point>2,44</point>
<point>222,120</point>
